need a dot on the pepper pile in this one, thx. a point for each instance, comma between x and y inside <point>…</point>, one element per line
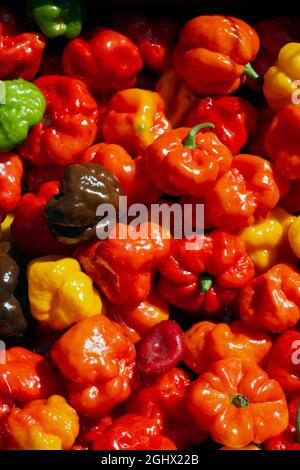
<point>151,342</point>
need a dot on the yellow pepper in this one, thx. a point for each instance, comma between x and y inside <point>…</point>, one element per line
<point>294,237</point>
<point>44,425</point>
<point>60,294</point>
<point>279,81</point>
<point>267,241</point>
<point>5,228</point>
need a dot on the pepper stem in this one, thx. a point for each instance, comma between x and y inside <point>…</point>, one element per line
<point>250,72</point>
<point>206,281</point>
<point>298,423</point>
<point>190,141</point>
<point>239,401</point>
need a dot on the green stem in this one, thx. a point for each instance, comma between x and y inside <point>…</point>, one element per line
<point>298,423</point>
<point>190,141</point>
<point>206,281</point>
<point>250,72</point>
<point>239,401</point>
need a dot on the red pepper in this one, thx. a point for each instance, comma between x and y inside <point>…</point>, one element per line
<point>155,38</point>
<point>11,173</point>
<point>290,438</point>
<point>233,117</point>
<point>106,63</point>
<point>20,53</point>
<point>69,126</point>
<point>206,276</point>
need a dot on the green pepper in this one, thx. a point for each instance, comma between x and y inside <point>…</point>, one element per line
<point>22,105</point>
<point>57,17</point>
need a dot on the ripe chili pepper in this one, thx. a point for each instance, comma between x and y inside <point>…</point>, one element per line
<point>207,342</point>
<point>132,432</point>
<point>11,173</point>
<point>138,319</point>
<point>57,17</point>
<point>155,38</point>
<point>72,214</point>
<point>135,119</point>
<point>207,275</point>
<point>214,52</point>
<point>106,63</point>
<point>22,106</point>
<point>179,98</point>
<point>294,236</point>
<point>271,301</point>
<point>69,126</point>
<point>279,81</point>
<point>131,173</point>
<point>43,425</point>
<point>165,401</point>
<point>66,298</point>
<point>237,403</point>
<point>267,241</point>
<point>26,376</point>
<point>284,363</point>
<point>246,192</point>
<point>290,438</point>
<point>29,229</point>
<point>123,265</point>
<point>281,141</point>
<point>233,117</point>
<point>90,429</point>
<point>185,161</point>
<point>20,53</point>
<point>97,377</point>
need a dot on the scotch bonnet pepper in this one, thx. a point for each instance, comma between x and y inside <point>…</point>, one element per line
<point>271,301</point>
<point>206,276</point>
<point>289,439</point>
<point>22,105</point>
<point>68,295</point>
<point>97,377</point>
<point>11,173</point>
<point>69,126</point>
<point>20,53</point>
<point>72,214</point>
<point>106,63</point>
<point>12,321</point>
<point>135,119</point>
<point>123,266</point>
<point>237,403</point>
<point>187,161</point>
<point>57,17</point>
<point>214,52</point>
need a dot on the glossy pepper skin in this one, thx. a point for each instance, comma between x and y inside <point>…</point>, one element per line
<point>132,432</point>
<point>130,172</point>
<point>29,229</point>
<point>179,98</point>
<point>267,241</point>
<point>26,376</point>
<point>66,298</point>
<point>106,63</point>
<point>281,141</point>
<point>279,81</point>
<point>208,275</point>
<point>22,106</point>
<point>58,17</point>
<point>123,266</point>
<point>69,126</point>
<point>207,342</point>
<point>49,424</point>
<point>12,321</point>
<point>11,173</point>
<point>186,161</point>
<point>271,301</point>
<point>233,117</point>
<point>155,38</point>
<point>248,191</point>
<point>237,403</point>
<point>135,119</point>
<point>284,363</point>
<point>213,53</point>
<point>20,53</point>
<point>294,236</point>
<point>97,378</point>
<point>72,214</point>
<point>290,438</point>
<point>165,401</point>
